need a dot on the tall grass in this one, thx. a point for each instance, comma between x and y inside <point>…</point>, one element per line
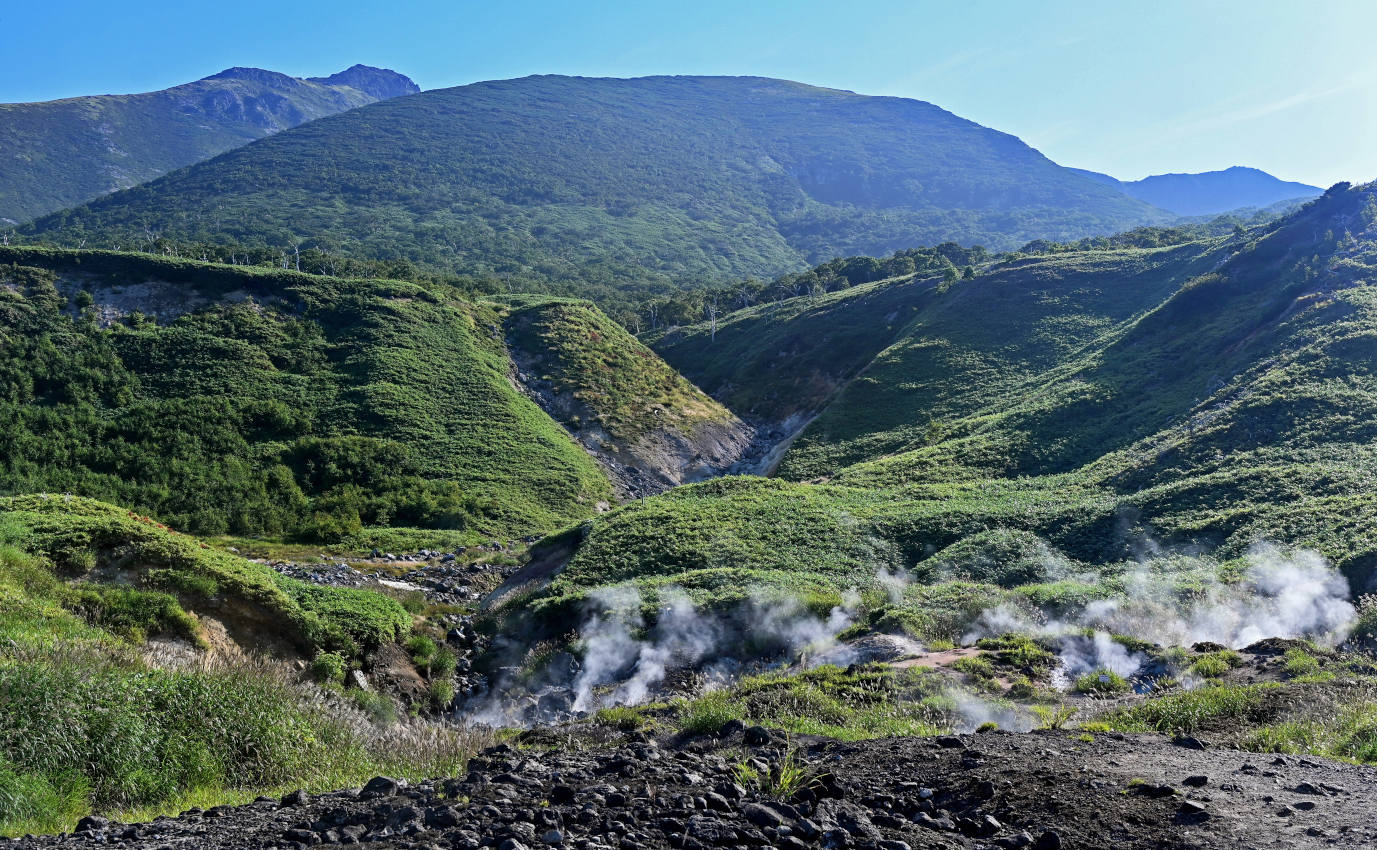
<point>80,732</point>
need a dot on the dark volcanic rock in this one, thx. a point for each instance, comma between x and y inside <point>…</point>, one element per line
<point>1023,791</point>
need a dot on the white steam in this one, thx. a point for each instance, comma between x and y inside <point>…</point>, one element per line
<point>620,668</point>
<point>1283,594</point>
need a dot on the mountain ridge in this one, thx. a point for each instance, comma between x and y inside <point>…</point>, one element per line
<point>1210,192</point>
<point>646,183</point>
<point>74,149</point>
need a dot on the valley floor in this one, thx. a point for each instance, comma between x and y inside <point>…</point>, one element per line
<point>593,787</point>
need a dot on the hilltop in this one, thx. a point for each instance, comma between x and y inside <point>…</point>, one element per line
<point>1211,192</point>
<point>606,188</point>
<point>64,152</point>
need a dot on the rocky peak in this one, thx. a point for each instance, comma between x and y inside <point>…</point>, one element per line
<point>378,82</point>
<point>256,75</point>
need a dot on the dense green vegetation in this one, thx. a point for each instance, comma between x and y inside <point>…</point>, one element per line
<point>64,152</point>
<point>86,723</point>
<point>1054,414</point>
<point>614,189</point>
<point>165,571</point>
<point>606,372</point>
<point>272,402</point>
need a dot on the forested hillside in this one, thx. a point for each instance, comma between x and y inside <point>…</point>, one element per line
<point>222,400</point>
<point>615,188</point>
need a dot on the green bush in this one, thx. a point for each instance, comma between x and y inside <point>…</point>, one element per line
<point>422,649</point>
<point>1298,662</point>
<point>443,663</point>
<point>441,694</point>
<point>1103,682</point>
<point>629,719</point>
<point>709,713</point>
<point>329,668</point>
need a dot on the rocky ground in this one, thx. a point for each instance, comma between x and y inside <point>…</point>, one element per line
<point>590,787</point>
<point>448,578</point>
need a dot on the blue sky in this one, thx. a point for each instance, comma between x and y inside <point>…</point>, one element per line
<point>1126,87</point>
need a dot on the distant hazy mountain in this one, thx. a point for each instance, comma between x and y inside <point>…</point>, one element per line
<point>1210,192</point>
<point>613,183</point>
<point>60,153</point>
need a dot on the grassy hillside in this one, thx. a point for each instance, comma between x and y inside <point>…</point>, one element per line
<point>776,360</point>
<point>579,352</point>
<point>1056,417</point>
<point>89,723</point>
<point>611,186</point>
<point>64,152</point>
<point>223,399</point>
<point>981,340</point>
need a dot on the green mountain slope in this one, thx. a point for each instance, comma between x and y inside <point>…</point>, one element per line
<point>64,152</point>
<point>224,399</point>
<point>610,185</point>
<point>981,340</point>
<point>647,425</point>
<point>1090,408</point>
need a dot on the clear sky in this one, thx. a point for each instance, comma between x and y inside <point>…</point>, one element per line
<point>1122,86</point>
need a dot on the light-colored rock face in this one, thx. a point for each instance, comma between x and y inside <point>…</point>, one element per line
<point>680,452</point>
<point>159,299</point>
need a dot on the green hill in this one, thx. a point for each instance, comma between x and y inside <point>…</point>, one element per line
<point>1094,406</point>
<point>645,423</point>
<point>614,186</point>
<point>64,152</point>
<point>223,399</point>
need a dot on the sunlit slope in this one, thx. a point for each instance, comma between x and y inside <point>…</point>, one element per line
<point>1223,394</point>
<point>611,186</point>
<point>225,399</point>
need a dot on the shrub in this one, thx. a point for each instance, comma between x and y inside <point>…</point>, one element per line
<point>329,668</point>
<point>1298,662</point>
<point>441,694</point>
<point>1102,682</point>
<point>1209,667</point>
<point>975,666</point>
<point>443,663</point>
<point>624,717</point>
<point>422,650</point>
<point>709,713</point>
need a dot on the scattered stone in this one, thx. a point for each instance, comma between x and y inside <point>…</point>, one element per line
<point>757,736</point>
<point>1193,809</point>
<point>381,786</point>
<point>761,816</point>
<point>1050,839</point>
<point>93,823</point>
<point>1195,781</point>
<point>296,798</point>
